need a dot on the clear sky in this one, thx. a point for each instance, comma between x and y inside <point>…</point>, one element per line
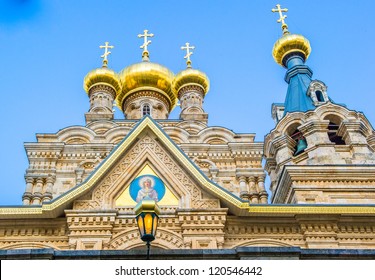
<point>49,46</point>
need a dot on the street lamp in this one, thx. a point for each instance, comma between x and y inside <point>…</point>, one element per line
<point>147,215</point>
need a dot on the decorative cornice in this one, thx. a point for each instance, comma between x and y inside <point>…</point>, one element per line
<point>190,88</point>
<point>102,88</point>
<point>346,127</point>
<point>346,172</point>
<point>145,93</point>
<point>314,126</point>
<point>317,173</point>
<point>281,142</point>
<point>312,209</point>
<point>298,69</point>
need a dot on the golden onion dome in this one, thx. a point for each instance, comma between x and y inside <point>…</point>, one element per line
<point>289,44</point>
<point>191,76</point>
<point>146,76</point>
<point>103,76</point>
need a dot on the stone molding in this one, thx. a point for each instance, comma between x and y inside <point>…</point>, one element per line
<point>103,88</point>
<point>319,179</point>
<point>146,93</point>
<point>88,230</point>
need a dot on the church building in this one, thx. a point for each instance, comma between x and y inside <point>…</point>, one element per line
<point>84,182</point>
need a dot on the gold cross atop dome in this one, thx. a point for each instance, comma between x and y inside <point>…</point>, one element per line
<point>106,53</point>
<point>289,45</point>
<point>145,35</point>
<point>187,47</point>
<point>282,18</point>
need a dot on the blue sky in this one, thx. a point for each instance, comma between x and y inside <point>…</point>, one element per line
<point>49,46</point>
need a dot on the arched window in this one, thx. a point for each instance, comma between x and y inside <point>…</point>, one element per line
<point>301,143</point>
<point>146,110</point>
<point>332,134</point>
<point>297,136</point>
<point>333,126</point>
<point>319,96</point>
<point>318,92</point>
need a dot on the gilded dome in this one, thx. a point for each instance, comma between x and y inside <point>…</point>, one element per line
<point>146,76</point>
<point>191,76</point>
<point>288,44</point>
<point>102,76</point>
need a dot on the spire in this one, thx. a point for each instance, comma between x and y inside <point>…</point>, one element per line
<point>291,51</point>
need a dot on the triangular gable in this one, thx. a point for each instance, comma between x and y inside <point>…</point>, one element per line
<point>147,151</point>
<point>164,155</point>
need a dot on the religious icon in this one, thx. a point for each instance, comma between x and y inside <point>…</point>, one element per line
<point>148,186</point>
<point>147,189</point>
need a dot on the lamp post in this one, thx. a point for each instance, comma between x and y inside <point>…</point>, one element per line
<point>147,215</point>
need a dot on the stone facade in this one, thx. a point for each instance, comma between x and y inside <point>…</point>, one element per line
<point>220,186</point>
<point>231,160</point>
<point>321,165</point>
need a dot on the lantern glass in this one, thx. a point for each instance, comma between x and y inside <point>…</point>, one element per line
<point>148,223</point>
<point>140,225</point>
<point>155,225</point>
<point>147,219</point>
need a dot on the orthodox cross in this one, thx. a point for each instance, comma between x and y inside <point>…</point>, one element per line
<point>284,26</point>
<point>146,42</point>
<point>106,53</point>
<point>188,53</point>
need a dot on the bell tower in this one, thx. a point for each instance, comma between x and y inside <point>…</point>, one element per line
<point>319,152</point>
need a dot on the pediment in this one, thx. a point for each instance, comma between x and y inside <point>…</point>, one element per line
<point>145,145</point>
<point>147,156</point>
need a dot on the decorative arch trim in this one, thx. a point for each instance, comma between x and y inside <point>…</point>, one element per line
<point>216,134</point>
<point>130,239</point>
<point>264,243</point>
<point>181,135</point>
<point>28,245</point>
<point>76,132</point>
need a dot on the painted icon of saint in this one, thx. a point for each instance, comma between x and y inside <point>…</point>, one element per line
<point>147,189</point>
